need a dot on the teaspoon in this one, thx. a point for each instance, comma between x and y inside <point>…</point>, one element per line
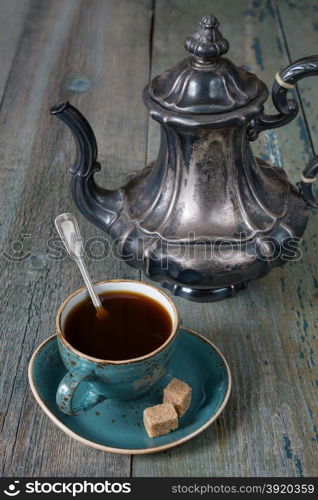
<point>67,227</point>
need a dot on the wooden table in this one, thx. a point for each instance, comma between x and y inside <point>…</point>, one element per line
<point>99,54</point>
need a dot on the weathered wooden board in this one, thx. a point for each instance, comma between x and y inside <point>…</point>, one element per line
<point>96,54</point>
<point>269,332</point>
<point>12,17</point>
<point>299,20</point>
<point>69,50</point>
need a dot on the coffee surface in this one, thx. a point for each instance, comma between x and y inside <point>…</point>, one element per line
<point>134,326</point>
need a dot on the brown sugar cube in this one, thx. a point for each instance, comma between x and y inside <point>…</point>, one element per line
<point>160,419</point>
<point>178,393</point>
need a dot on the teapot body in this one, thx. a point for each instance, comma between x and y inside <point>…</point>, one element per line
<point>208,216</point>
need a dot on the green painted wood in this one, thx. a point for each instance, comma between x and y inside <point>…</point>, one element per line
<point>69,50</point>
<point>268,333</point>
<point>12,17</point>
<point>300,22</point>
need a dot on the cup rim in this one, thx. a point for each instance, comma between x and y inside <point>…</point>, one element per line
<point>61,337</point>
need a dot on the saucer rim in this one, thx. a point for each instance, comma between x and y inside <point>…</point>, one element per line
<point>129,451</point>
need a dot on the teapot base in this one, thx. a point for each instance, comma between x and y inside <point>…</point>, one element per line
<point>205,294</point>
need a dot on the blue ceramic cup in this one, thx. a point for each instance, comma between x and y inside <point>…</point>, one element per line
<point>91,380</point>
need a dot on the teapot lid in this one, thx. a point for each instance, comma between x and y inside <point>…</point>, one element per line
<point>206,82</point>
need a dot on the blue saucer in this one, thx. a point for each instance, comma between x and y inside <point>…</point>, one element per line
<point>118,426</point>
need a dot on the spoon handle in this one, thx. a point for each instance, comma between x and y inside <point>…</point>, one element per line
<point>95,299</point>
<point>69,232</point>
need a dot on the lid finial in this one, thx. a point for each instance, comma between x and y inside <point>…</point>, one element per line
<point>207,42</point>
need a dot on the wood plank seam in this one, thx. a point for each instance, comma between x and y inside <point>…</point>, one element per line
<point>17,48</point>
<point>17,371</point>
<point>299,97</point>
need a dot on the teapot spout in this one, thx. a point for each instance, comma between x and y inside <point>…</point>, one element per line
<point>100,206</point>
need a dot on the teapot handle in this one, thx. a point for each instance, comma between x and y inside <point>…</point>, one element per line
<point>287,111</point>
<point>305,186</point>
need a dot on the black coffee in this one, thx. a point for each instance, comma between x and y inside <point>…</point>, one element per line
<point>135,325</point>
